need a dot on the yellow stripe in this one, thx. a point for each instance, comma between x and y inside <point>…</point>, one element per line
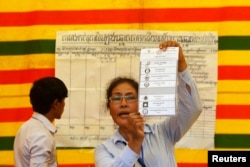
<point>33,61</point>
<point>6,158</point>
<point>29,5</point>
<point>236,28</point>
<point>85,156</point>
<point>9,128</point>
<point>64,157</point>
<point>191,156</point>
<point>232,99</point>
<point>233,86</point>
<point>75,156</point>
<point>234,57</point>
<point>231,28</point>
<point>49,32</point>
<point>193,3</point>
<point>229,126</point>
<point>15,90</point>
<point>14,102</point>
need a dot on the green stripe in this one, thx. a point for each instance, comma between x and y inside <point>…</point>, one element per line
<point>27,47</point>
<point>232,141</point>
<point>6,143</point>
<point>221,141</point>
<point>234,43</point>
<point>48,46</point>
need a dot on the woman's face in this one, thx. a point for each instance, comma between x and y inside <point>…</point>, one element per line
<point>119,110</point>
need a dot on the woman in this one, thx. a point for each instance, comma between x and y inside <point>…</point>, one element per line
<point>136,143</point>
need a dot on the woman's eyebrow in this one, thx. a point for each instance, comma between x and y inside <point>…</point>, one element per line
<point>131,93</point>
<point>128,93</point>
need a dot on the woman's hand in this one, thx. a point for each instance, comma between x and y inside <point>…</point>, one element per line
<point>135,128</point>
<point>182,65</point>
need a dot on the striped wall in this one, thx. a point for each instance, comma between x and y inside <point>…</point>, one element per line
<point>27,52</point>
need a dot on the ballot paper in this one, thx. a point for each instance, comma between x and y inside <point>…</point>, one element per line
<point>158,81</point>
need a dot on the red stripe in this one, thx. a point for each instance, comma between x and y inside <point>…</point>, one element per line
<point>113,16</point>
<point>192,164</point>
<point>233,112</point>
<point>77,165</point>
<point>66,165</point>
<point>24,76</point>
<point>92,165</point>
<point>15,114</point>
<point>233,72</point>
<point>179,165</point>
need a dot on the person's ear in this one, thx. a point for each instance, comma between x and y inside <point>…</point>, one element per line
<point>55,103</point>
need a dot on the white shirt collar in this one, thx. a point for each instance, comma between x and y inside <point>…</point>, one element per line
<point>45,121</point>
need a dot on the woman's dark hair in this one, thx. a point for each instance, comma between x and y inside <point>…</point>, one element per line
<point>116,81</point>
<point>45,91</point>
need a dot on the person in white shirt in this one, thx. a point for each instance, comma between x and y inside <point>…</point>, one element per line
<point>34,144</point>
<point>137,143</point>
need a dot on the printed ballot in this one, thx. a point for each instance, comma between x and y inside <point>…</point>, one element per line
<point>158,81</point>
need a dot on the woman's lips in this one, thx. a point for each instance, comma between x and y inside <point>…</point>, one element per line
<point>123,114</point>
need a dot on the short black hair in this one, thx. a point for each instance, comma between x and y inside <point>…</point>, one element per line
<point>45,91</point>
<point>116,81</point>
